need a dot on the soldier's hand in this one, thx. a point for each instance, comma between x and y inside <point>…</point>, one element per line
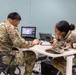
<point>54,43</point>
<point>69,45</point>
<point>36,41</point>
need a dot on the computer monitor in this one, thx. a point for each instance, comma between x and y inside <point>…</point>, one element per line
<point>28,32</point>
<point>46,36</point>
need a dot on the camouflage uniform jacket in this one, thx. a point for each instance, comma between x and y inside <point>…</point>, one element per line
<point>60,62</point>
<point>69,38</point>
<point>10,36</point>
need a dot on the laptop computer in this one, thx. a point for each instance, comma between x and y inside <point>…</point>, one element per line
<point>28,33</point>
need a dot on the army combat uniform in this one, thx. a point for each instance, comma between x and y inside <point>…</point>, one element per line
<point>10,36</point>
<point>60,62</point>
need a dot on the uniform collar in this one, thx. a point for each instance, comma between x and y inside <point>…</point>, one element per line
<point>8,23</point>
<point>69,32</point>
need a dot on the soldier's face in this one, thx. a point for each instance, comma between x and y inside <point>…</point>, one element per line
<point>16,22</point>
<point>57,32</point>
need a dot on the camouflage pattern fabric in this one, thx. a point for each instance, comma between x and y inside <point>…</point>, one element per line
<point>10,36</point>
<point>60,63</point>
<point>26,57</point>
<point>59,48</point>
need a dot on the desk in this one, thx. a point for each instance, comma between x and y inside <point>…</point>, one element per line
<point>68,54</point>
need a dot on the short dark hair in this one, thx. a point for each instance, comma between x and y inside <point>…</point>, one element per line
<point>14,15</point>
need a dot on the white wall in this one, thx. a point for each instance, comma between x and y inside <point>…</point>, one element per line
<point>43,14</point>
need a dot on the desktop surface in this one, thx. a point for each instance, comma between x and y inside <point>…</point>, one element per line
<point>69,54</point>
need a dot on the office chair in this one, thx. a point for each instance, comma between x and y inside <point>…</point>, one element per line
<point>6,68</point>
<point>74,69</point>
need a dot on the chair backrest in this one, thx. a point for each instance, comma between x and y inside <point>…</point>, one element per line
<point>7,68</point>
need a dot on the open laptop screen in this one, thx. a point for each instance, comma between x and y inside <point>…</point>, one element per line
<point>28,32</point>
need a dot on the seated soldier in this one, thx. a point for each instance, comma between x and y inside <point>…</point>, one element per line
<point>10,36</point>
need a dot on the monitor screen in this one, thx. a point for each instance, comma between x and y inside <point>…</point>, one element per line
<point>28,32</point>
<point>45,36</point>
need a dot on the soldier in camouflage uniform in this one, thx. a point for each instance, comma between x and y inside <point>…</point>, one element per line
<point>67,33</point>
<point>10,36</point>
